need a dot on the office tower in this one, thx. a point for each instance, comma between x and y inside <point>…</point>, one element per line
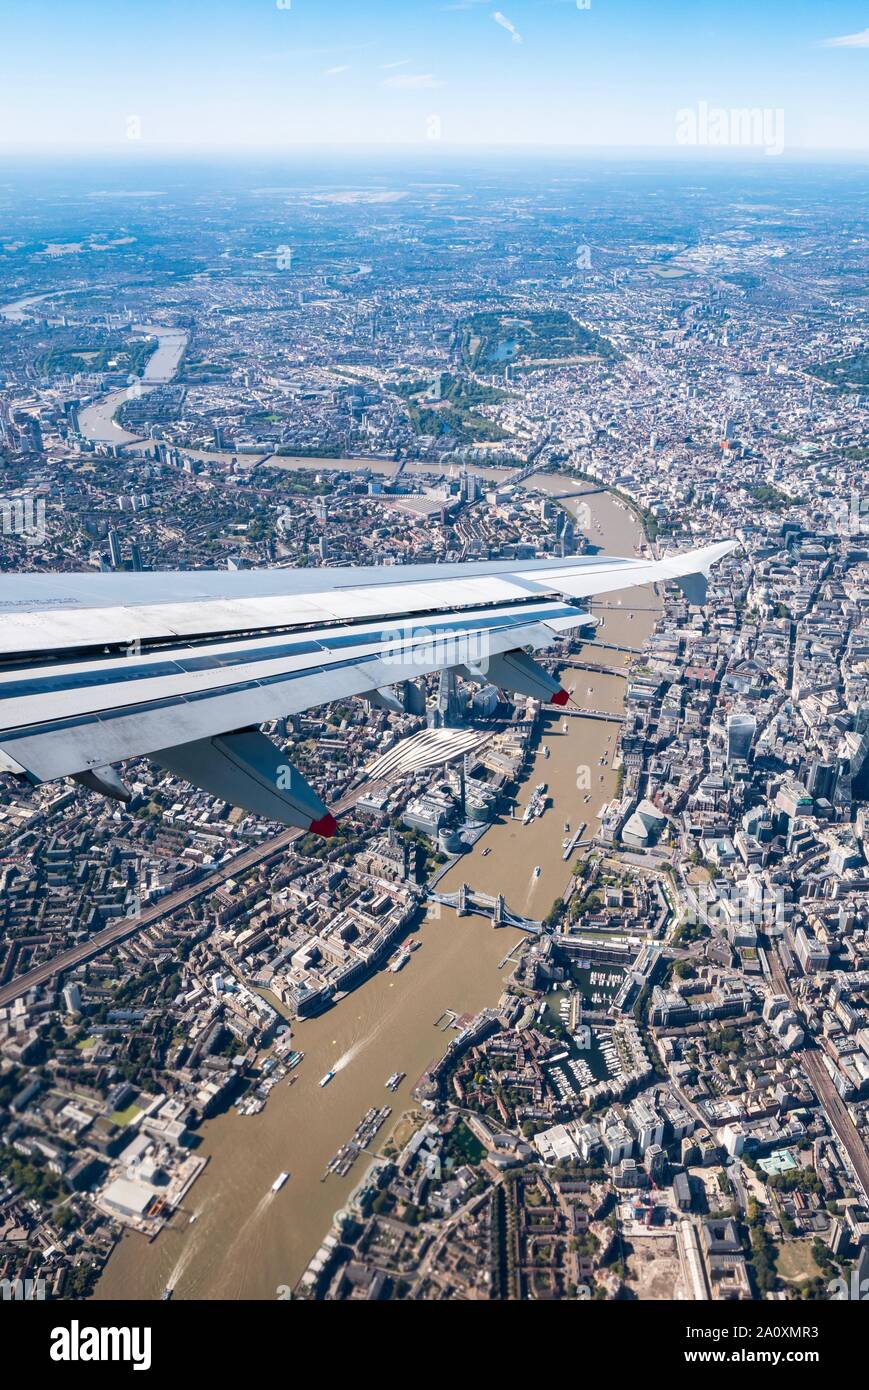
<point>115,554</point>
<point>136,557</point>
<point>741,729</point>
<point>449,705</point>
<point>413,698</point>
<point>858,741</point>
<point>821,780</point>
<point>27,432</point>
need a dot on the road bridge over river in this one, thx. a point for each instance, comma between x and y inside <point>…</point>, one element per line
<point>468,900</point>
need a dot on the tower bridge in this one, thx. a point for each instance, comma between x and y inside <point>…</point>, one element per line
<point>468,900</point>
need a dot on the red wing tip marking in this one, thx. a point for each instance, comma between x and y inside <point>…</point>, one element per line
<point>325,826</point>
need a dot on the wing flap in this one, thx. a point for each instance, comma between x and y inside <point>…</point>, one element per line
<point>246,769</point>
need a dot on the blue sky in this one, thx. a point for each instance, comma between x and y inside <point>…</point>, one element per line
<point>272,74</point>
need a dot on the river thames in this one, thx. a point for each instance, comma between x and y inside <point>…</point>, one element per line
<point>247,1242</point>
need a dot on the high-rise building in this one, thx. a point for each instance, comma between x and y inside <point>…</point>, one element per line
<point>413,696</point>
<point>449,706</point>
<point>469,487</point>
<point>821,780</point>
<point>28,432</point>
<point>741,729</point>
<point>72,998</point>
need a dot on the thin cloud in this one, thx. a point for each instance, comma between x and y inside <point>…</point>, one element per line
<point>387,67</point>
<point>860,40</point>
<point>507,24</point>
<point>333,72</point>
<point>318,51</point>
<point>412,82</point>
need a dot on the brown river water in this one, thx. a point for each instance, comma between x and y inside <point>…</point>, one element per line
<point>247,1242</point>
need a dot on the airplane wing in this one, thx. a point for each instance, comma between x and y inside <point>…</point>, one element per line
<point>184,667</point>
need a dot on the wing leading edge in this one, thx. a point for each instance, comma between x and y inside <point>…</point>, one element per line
<point>98,668</point>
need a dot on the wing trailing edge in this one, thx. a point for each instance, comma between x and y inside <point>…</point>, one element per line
<point>183,669</point>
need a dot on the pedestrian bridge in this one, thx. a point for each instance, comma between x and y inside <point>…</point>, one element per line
<point>470,901</point>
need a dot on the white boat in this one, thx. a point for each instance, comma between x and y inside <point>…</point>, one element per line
<point>536,870</point>
<point>324,1081</point>
<point>279,1181</point>
<point>400,962</point>
<point>193,1218</point>
<point>545,750</point>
